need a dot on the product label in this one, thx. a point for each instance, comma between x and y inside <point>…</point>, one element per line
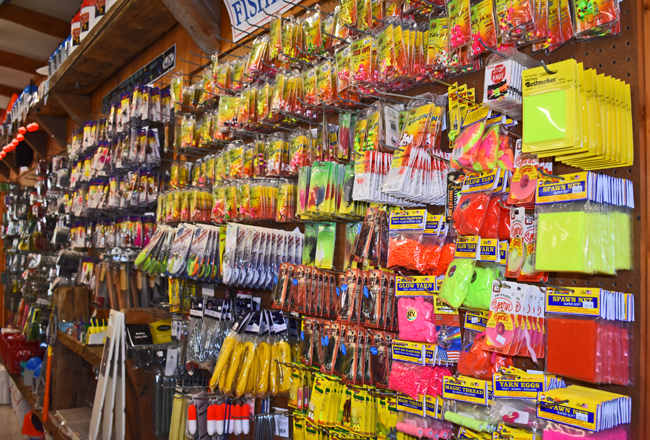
<point>409,352</point>
<point>465,389</point>
<point>581,301</point>
<point>570,188</point>
<point>581,415</point>
<point>416,286</point>
<point>503,252</point>
<point>476,320</point>
<point>489,249</point>
<point>485,181</point>
<point>508,386</point>
<point>414,219</point>
<point>433,406</point>
<point>411,406</point>
<point>467,247</point>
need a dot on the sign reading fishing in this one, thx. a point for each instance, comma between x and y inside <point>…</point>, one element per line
<point>247,15</point>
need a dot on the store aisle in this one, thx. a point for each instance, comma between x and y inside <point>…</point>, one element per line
<point>9,427</point>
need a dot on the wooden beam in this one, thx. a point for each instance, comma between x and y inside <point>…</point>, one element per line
<point>200,18</point>
<point>10,161</point>
<point>8,91</point>
<point>55,126</point>
<point>19,62</point>
<point>77,106</point>
<point>5,171</point>
<point>35,20</point>
<point>37,141</point>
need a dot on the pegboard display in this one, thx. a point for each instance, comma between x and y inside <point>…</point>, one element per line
<point>616,56</point>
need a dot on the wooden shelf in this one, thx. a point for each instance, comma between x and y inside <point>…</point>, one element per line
<point>127,29</point>
<point>31,399</point>
<point>90,353</point>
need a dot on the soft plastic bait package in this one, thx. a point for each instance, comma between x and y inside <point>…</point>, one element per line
<point>379,359</point>
<point>416,319</point>
<point>457,282</point>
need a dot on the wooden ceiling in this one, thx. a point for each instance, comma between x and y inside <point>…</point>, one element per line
<point>30,31</point>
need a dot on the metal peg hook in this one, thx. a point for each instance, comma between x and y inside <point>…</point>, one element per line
<point>244,31</point>
<point>334,36</point>
<point>549,71</point>
<point>501,204</point>
<point>295,59</point>
<point>551,176</point>
<point>329,14</point>
<point>550,404</point>
<point>256,25</point>
<point>354,102</point>
<point>358,30</point>
<point>380,20</point>
<point>274,15</point>
<point>547,286</point>
<point>195,64</point>
<point>201,56</point>
<point>488,48</point>
<point>232,42</point>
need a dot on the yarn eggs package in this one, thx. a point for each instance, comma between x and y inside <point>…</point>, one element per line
<point>474,200</point>
<point>404,233</point>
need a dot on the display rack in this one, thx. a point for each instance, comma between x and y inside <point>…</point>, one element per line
<point>626,56</point>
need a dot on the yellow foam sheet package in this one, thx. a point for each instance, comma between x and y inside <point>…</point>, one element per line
<point>551,109</point>
<point>594,105</point>
<point>563,224</point>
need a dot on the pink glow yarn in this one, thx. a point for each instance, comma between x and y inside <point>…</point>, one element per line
<point>416,319</point>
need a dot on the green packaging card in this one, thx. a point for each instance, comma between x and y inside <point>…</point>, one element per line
<point>325,245</point>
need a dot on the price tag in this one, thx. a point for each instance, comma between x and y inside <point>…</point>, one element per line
<point>587,304</point>
<point>282,425</point>
<point>170,365</point>
<point>582,417</point>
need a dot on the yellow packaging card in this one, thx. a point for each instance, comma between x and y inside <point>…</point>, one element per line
<point>552,102</point>
<point>592,122</point>
<point>466,389</point>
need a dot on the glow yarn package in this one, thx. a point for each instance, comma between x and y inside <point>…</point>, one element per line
<point>416,319</point>
<point>584,224</point>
